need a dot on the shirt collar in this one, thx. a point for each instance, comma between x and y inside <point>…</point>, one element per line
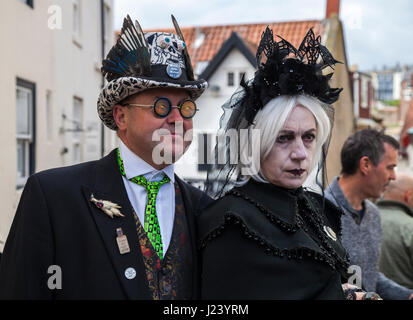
<point>135,166</point>
<point>397,204</point>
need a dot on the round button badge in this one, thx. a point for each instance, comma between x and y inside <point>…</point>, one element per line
<point>174,71</point>
<point>130,273</point>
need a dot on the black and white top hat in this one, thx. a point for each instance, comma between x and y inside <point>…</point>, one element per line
<point>141,61</point>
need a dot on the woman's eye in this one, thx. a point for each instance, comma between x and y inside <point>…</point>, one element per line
<point>285,138</point>
<point>309,137</point>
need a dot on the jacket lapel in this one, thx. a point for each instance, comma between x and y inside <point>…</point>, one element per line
<point>109,186</point>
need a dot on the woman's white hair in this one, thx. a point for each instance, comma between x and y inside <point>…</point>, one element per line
<point>269,121</point>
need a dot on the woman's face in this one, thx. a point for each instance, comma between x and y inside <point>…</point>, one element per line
<point>289,161</point>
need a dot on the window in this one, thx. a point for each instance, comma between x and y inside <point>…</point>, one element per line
<point>207,153</point>
<point>77,129</point>
<point>28,2</point>
<point>204,151</point>
<point>242,74</point>
<point>230,79</point>
<point>25,97</point>
<point>76,20</point>
<point>385,86</point>
<point>107,27</point>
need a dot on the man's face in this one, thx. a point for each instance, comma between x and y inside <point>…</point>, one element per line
<point>150,136</point>
<point>381,175</point>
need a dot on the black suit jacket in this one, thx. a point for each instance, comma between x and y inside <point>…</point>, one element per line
<point>57,224</point>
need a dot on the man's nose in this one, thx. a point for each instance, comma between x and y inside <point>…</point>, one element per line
<point>299,152</point>
<point>393,175</point>
<point>174,116</point>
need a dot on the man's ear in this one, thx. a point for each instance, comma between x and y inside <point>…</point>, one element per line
<point>119,115</point>
<point>365,165</point>
<point>407,196</point>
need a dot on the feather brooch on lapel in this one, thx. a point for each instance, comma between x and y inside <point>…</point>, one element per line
<point>110,208</point>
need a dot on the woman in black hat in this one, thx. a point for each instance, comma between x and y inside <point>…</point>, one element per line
<point>268,237</point>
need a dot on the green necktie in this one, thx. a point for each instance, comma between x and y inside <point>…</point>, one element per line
<point>151,224</point>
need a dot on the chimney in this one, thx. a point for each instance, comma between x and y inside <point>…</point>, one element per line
<point>333,8</point>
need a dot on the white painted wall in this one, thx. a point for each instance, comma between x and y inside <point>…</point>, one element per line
<point>374,83</point>
<point>397,85</point>
<point>57,64</point>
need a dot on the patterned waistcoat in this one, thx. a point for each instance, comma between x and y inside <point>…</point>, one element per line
<point>171,278</point>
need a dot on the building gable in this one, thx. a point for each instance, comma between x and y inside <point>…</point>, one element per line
<point>234,42</point>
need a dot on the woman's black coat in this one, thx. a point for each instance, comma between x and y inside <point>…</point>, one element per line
<point>264,242</point>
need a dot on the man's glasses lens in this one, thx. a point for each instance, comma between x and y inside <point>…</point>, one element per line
<point>188,109</point>
<point>163,108</point>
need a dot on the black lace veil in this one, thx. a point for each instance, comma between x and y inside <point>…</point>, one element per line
<point>283,70</point>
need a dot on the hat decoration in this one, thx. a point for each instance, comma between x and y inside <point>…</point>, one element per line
<point>140,61</point>
<point>285,70</point>
<point>190,71</point>
<point>130,56</point>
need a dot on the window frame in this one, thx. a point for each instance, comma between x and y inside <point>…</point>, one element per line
<point>230,79</point>
<point>107,12</point>
<point>240,74</point>
<point>30,139</point>
<point>77,16</point>
<point>30,3</point>
<point>203,150</point>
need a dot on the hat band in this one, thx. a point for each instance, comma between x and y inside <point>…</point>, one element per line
<point>169,72</point>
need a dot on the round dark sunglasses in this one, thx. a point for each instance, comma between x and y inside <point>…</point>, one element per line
<point>162,107</point>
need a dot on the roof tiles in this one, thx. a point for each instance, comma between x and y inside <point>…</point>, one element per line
<point>215,36</point>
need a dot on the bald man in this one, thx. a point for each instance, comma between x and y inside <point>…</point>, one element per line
<point>396,208</point>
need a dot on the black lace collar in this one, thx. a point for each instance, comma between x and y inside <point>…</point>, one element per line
<point>277,200</point>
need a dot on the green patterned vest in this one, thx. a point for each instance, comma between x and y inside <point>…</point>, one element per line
<point>171,277</point>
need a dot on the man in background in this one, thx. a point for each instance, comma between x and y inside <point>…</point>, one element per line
<point>368,159</point>
<point>396,259</point>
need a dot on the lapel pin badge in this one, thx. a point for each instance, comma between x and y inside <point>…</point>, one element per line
<point>122,241</point>
<point>110,208</point>
<point>330,233</point>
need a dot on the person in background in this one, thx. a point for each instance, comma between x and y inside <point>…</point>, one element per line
<point>368,160</point>
<point>396,208</point>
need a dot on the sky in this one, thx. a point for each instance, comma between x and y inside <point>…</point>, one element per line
<point>377,33</point>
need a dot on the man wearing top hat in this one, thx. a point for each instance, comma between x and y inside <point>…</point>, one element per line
<point>121,227</point>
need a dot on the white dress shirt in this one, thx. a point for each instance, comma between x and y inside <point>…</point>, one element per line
<point>165,200</point>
